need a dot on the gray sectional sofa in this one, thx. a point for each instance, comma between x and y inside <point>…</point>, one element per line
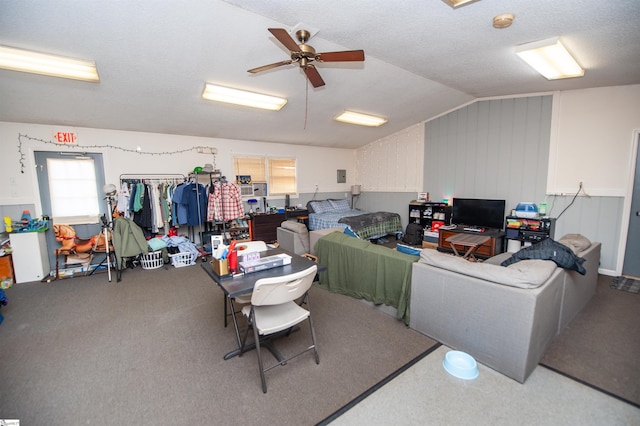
<point>505,317</point>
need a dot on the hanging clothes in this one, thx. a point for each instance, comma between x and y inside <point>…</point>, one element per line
<point>225,202</point>
<point>143,217</point>
<point>123,200</point>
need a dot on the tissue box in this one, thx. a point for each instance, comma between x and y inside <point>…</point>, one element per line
<point>265,263</point>
<point>220,267</point>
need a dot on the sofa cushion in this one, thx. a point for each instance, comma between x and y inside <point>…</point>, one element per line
<point>523,274</point>
<point>294,226</point>
<point>576,242</point>
<point>498,258</point>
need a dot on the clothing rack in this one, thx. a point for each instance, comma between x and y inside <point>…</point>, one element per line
<point>138,178</point>
<point>214,177</point>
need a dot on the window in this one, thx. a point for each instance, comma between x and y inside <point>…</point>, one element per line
<point>72,188</point>
<point>279,173</point>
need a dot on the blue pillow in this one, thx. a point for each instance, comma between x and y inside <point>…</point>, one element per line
<point>349,232</point>
<point>340,206</point>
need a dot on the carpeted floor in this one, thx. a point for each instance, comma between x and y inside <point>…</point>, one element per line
<point>149,350</point>
<point>601,345</point>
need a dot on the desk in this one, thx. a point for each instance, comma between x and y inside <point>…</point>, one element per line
<point>470,241</point>
<point>243,284</point>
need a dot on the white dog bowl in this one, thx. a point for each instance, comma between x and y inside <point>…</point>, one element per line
<point>460,365</point>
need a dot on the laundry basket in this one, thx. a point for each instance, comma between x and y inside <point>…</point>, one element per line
<point>183,259</point>
<point>152,260</point>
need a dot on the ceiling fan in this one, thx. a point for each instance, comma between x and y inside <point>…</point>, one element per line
<point>305,55</point>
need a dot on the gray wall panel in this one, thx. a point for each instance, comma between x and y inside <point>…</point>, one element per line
<point>500,149</point>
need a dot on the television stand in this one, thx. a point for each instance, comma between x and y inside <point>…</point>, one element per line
<point>488,247</point>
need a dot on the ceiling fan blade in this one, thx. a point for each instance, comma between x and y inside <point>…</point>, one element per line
<point>343,56</point>
<point>283,37</point>
<point>314,76</point>
<point>268,67</point>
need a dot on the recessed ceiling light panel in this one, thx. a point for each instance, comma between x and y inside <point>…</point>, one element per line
<point>213,92</point>
<point>361,119</point>
<point>15,59</point>
<point>550,58</point>
<point>459,3</point>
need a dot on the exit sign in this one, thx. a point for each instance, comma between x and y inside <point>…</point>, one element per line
<point>66,138</point>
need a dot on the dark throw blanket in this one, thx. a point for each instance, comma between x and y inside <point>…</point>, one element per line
<point>356,223</point>
<point>549,249</point>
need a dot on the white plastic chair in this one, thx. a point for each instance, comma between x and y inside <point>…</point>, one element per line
<point>273,309</point>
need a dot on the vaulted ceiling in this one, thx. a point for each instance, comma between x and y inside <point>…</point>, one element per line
<point>422,59</point>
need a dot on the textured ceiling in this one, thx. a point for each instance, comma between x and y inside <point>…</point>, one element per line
<point>422,59</point>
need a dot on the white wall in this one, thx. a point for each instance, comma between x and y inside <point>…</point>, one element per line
<point>393,163</point>
<point>315,165</point>
<point>592,140</point>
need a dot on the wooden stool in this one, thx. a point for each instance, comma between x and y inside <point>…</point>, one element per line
<point>304,219</point>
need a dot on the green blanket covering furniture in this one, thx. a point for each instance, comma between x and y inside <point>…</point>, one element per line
<point>367,271</point>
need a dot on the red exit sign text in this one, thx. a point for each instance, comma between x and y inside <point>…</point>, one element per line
<point>65,137</point>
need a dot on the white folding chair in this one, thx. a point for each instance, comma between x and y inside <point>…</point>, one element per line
<point>274,309</point>
<point>243,299</point>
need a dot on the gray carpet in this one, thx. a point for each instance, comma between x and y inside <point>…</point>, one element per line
<point>149,350</point>
<point>601,345</point>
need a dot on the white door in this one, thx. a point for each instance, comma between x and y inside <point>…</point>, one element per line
<point>631,264</point>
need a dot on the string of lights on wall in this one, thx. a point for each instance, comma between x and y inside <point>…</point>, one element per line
<point>198,149</point>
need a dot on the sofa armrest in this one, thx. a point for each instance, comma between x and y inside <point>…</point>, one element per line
<point>579,289</point>
<point>293,242</point>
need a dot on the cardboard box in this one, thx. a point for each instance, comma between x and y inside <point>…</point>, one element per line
<point>265,263</point>
<point>220,267</point>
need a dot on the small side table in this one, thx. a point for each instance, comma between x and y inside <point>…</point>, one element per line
<point>470,241</point>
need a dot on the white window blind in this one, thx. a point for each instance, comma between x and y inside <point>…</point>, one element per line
<point>282,176</point>
<point>251,166</point>
<point>279,173</point>
<point>73,191</point>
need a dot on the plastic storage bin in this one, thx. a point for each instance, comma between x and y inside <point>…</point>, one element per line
<point>152,260</point>
<point>183,259</point>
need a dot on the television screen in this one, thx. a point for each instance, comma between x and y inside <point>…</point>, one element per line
<point>475,212</point>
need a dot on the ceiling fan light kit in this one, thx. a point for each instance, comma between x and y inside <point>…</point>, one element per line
<point>15,59</point>
<point>305,55</point>
<point>550,58</point>
<point>360,119</point>
<point>213,92</point>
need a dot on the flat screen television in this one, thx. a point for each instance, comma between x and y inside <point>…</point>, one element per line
<point>479,213</point>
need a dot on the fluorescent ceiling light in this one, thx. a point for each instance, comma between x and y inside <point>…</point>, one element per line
<point>45,64</point>
<point>361,119</point>
<point>459,3</point>
<point>213,92</point>
<point>550,58</point>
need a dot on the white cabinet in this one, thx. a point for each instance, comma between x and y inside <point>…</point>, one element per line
<point>30,257</point>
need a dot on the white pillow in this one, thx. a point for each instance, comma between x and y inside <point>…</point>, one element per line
<point>575,242</point>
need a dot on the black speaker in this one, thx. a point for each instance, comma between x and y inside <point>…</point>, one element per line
<point>286,201</point>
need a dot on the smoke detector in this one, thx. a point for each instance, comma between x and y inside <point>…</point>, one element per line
<point>503,21</point>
